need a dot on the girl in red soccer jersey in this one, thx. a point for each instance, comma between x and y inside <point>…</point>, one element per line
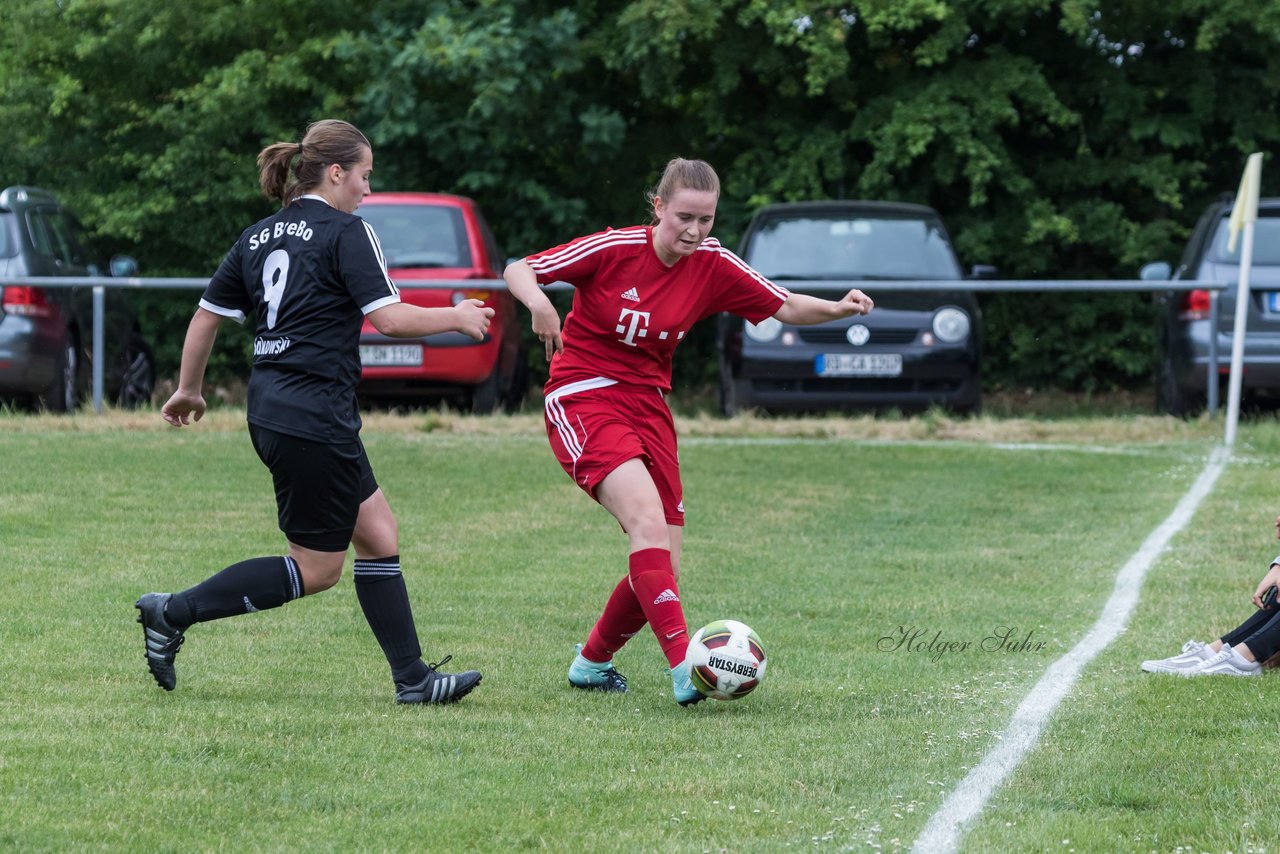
<point>638,292</point>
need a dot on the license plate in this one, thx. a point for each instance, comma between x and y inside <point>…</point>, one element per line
<point>1273,302</point>
<point>859,365</point>
<point>399,355</point>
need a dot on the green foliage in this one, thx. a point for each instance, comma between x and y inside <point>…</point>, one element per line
<point>1058,138</point>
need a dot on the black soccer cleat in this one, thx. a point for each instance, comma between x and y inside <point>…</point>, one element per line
<point>437,688</point>
<point>162,639</point>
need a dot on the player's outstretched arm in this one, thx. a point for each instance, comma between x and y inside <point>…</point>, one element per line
<point>401,320</point>
<point>187,402</point>
<point>806,310</point>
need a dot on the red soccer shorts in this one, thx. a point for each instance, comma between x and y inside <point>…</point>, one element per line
<point>595,428</point>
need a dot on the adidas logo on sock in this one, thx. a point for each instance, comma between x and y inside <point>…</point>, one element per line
<point>631,294</point>
<point>667,595</point>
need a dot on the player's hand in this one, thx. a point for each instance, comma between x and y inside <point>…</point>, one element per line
<point>183,408</point>
<point>473,318</point>
<point>546,325</point>
<point>1268,581</point>
<point>854,302</point>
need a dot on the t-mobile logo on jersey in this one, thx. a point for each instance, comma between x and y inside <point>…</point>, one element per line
<point>634,324</point>
<point>629,326</point>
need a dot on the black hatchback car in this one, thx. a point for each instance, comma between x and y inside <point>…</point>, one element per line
<point>915,350</point>
<point>1182,372</point>
<point>46,333</point>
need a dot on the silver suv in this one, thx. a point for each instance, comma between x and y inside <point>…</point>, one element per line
<point>45,333</point>
<point>1181,381</point>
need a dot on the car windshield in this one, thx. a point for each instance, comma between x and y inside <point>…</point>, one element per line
<point>852,247</point>
<point>419,235</point>
<point>1266,242</point>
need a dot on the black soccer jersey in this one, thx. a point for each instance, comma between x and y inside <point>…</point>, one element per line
<point>311,272</point>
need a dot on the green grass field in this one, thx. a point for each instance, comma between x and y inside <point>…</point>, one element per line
<point>992,546</point>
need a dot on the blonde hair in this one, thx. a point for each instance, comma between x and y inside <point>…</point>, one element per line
<point>682,174</point>
<point>325,142</point>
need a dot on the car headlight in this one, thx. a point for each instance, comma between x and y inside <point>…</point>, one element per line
<point>764,331</point>
<point>951,325</point>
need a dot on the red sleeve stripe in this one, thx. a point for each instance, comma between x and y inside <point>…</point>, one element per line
<point>777,290</point>
<point>549,263</point>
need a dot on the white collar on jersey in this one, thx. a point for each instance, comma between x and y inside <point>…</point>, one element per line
<point>315,196</point>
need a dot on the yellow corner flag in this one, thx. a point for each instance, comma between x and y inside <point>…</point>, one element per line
<point>1246,206</point>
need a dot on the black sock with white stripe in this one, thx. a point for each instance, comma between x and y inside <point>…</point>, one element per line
<point>257,584</point>
<point>385,602</point>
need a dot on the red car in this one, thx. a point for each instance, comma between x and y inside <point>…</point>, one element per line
<point>428,236</point>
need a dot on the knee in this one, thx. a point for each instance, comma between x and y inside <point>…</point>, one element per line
<point>319,575</point>
<point>651,530</point>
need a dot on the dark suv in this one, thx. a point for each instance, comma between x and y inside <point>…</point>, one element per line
<point>46,333</point>
<point>915,350</point>
<point>1181,380</point>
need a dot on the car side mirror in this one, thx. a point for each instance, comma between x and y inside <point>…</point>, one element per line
<point>983,271</point>
<point>1156,271</point>
<point>123,266</point>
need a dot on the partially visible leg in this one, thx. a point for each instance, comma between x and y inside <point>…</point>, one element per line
<point>257,584</point>
<point>675,534</point>
<point>316,502</point>
<point>1240,633</point>
<point>1257,638</point>
<point>384,599</point>
<point>629,493</point>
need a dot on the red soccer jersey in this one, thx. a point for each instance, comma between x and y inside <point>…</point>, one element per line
<point>630,310</point>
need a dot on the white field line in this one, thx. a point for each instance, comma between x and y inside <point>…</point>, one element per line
<point>946,826</point>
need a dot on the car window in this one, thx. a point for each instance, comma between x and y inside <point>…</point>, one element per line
<point>82,245</point>
<point>1266,242</point>
<point>41,237</point>
<point>496,257</point>
<point>420,235</point>
<point>853,247</point>
<point>8,240</point>
<point>54,234</point>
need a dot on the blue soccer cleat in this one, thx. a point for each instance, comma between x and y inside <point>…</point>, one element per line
<point>682,685</point>
<point>596,675</point>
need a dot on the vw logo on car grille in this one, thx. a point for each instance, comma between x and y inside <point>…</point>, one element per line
<point>858,335</point>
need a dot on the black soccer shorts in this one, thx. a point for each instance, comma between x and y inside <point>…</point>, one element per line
<point>319,487</point>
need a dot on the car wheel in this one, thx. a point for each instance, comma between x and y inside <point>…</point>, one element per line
<point>734,397</point>
<point>1171,398</point>
<point>519,385</point>
<point>484,395</point>
<point>969,410</point>
<point>63,392</point>
<point>138,375</point>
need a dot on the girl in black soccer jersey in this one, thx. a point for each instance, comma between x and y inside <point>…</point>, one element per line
<point>312,272</point>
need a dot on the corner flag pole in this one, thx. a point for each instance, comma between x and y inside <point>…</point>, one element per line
<point>1244,214</point>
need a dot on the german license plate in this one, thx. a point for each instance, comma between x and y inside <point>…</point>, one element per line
<point>395,355</point>
<point>859,365</point>
<point>1273,302</point>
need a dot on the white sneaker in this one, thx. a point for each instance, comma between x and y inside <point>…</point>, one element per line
<point>1189,660</point>
<point>1228,662</point>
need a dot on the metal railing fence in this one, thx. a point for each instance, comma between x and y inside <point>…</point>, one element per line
<point>872,286</point>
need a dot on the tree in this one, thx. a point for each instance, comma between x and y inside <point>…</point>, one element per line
<point>1058,138</point>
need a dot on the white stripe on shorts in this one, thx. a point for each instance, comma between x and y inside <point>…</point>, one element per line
<point>557,416</point>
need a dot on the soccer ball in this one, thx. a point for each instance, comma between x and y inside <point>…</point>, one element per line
<point>726,660</point>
